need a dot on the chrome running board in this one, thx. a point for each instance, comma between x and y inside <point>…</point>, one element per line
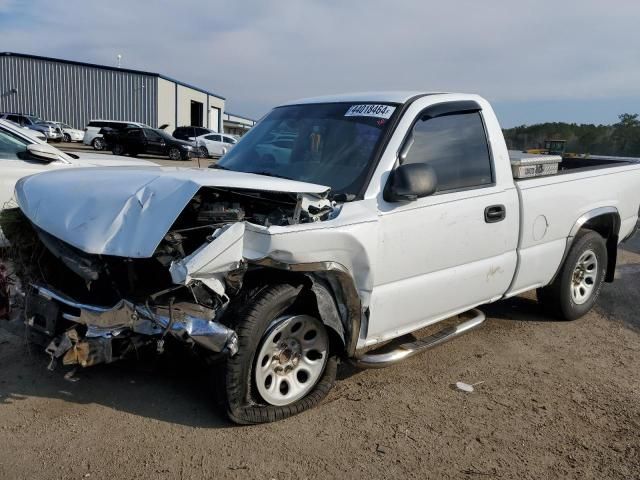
<point>386,357</point>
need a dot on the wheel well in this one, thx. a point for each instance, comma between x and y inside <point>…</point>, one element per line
<point>608,226</point>
<point>317,297</point>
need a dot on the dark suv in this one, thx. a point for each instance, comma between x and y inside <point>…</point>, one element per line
<point>185,133</point>
<point>134,141</point>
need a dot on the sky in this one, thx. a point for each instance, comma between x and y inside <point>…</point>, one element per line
<point>536,61</point>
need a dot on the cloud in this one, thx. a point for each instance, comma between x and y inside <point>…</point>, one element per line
<point>258,53</point>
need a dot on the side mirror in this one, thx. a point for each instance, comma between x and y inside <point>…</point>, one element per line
<point>43,152</point>
<point>409,182</point>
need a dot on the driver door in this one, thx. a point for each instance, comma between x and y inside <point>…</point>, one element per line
<point>443,254</point>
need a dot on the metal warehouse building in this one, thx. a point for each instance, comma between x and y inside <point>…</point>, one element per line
<point>76,92</point>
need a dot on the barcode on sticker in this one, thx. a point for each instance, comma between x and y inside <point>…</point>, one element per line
<point>368,110</point>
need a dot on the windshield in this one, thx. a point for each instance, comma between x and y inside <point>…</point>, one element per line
<point>330,144</point>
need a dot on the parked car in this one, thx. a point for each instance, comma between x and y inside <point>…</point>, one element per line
<point>188,133</point>
<point>278,150</point>
<point>394,211</point>
<point>214,144</point>
<point>93,137</point>
<point>35,134</point>
<point>53,131</point>
<point>22,154</point>
<point>69,133</point>
<point>153,141</point>
<point>32,122</point>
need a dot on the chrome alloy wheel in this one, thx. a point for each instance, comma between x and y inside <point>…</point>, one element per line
<point>584,277</point>
<point>291,359</point>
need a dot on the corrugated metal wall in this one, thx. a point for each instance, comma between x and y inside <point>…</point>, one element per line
<point>76,94</point>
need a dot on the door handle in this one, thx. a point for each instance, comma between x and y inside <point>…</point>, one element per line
<point>494,213</point>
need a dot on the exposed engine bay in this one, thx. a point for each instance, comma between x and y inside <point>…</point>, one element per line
<point>93,308</point>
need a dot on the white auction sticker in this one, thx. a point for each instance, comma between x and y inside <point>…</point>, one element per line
<point>369,110</point>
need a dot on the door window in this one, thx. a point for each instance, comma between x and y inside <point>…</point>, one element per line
<point>153,136</point>
<point>16,118</point>
<point>11,146</point>
<point>456,147</point>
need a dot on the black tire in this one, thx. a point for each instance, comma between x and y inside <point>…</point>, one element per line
<point>557,298</point>
<point>118,149</point>
<point>98,143</point>
<point>236,381</point>
<point>174,153</point>
<point>66,138</point>
<point>204,153</point>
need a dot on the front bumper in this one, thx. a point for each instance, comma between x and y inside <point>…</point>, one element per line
<point>46,310</point>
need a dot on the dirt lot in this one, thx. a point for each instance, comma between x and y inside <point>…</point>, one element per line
<point>559,400</point>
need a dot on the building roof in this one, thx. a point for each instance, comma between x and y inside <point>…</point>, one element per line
<point>229,114</point>
<point>106,67</point>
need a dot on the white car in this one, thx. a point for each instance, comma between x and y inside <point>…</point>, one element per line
<point>93,137</point>
<point>22,154</point>
<point>395,211</point>
<point>278,150</point>
<point>69,133</point>
<point>214,144</point>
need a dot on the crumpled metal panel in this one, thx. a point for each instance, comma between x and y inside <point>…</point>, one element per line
<point>105,322</point>
<point>108,220</point>
<point>213,260</point>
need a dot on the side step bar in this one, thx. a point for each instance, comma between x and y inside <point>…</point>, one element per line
<point>474,318</point>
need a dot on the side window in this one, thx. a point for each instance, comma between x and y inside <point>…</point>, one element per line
<point>201,131</point>
<point>11,146</point>
<point>456,147</point>
<point>151,135</point>
<point>217,138</point>
<point>15,118</point>
<point>134,133</point>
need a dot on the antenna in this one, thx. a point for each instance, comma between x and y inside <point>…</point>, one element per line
<point>119,57</point>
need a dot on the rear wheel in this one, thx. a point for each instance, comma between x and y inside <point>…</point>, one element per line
<point>66,138</point>
<point>284,363</point>
<point>98,143</point>
<point>577,286</point>
<point>118,149</point>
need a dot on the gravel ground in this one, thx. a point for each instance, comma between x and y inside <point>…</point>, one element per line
<point>558,400</point>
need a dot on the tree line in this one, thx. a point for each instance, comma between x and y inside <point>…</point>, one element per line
<point>620,139</point>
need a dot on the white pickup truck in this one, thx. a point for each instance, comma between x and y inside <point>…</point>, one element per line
<point>388,212</point>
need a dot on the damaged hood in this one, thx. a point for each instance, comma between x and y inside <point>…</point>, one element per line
<point>126,211</point>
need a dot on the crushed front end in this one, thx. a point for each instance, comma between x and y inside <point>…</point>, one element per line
<point>90,308</point>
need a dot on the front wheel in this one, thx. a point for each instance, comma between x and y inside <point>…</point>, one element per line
<point>204,153</point>
<point>66,138</point>
<point>577,286</point>
<point>284,363</point>
<point>174,154</point>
